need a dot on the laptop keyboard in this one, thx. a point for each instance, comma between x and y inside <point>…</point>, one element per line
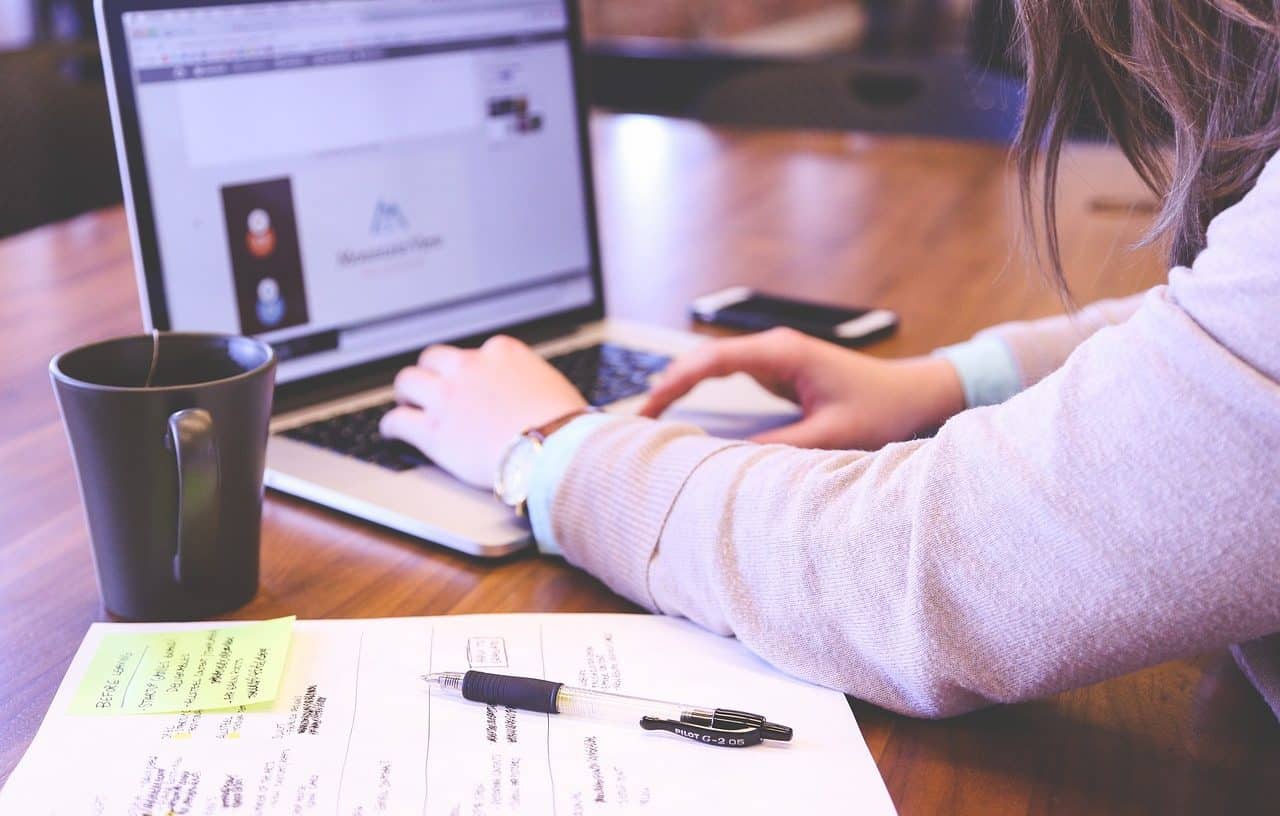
<point>356,434</point>
<point>604,374</point>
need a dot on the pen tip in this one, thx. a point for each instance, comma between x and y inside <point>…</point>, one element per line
<point>445,681</point>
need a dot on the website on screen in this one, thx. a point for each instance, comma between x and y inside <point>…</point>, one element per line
<point>356,178</point>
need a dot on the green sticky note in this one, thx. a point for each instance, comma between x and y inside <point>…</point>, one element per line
<point>154,672</point>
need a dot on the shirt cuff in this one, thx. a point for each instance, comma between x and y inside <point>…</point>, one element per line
<point>988,371</point>
<point>557,452</point>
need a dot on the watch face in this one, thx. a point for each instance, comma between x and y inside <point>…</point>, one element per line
<point>516,472</point>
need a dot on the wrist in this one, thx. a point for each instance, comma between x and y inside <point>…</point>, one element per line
<point>986,368</point>
<point>512,480</point>
<point>549,471</point>
<point>936,391</point>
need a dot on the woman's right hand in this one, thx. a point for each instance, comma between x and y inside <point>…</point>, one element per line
<point>849,400</point>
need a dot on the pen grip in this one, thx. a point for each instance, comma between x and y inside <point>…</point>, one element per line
<point>524,693</point>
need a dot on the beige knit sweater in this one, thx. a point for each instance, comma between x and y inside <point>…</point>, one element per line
<point>1122,510</point>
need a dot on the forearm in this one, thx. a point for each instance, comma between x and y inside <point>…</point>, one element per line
<point>1060,538</point>
<point>1001,361</point>
<point>1121,511</point>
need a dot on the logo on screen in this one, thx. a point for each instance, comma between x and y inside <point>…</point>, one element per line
<point>270,307</point>
<point>387,217</point>
<point>260,238</point>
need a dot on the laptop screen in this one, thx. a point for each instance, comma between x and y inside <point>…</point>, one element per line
<point>351,179</point>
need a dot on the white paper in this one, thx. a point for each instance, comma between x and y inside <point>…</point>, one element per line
<point>355,731</point>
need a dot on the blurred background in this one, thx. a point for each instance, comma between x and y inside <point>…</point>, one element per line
<point>930,67</point>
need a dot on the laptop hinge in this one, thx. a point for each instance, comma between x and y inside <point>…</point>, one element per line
<point>544,333</point>
<point>381,373</point>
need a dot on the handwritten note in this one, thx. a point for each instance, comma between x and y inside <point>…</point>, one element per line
<point>189,670</point>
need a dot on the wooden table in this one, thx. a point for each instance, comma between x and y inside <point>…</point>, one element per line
<point>926,228</point>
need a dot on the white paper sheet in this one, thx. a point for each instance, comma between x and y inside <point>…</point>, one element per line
<point>355,731</point>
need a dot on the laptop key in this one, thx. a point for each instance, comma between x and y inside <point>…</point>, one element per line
<point>606,373</point>
<point>356,435</point>
<point>603,373</point>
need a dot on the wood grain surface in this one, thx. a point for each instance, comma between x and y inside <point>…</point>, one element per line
<point>923,227</point>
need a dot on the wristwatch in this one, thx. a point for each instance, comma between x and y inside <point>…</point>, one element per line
<point>515,469</point>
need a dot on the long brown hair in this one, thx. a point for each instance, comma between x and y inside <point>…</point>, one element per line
<point>1188,89</point>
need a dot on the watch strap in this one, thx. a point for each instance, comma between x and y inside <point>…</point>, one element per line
<point>541,432</point>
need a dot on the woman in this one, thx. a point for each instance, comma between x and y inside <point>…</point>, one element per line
<point>1104,492</point>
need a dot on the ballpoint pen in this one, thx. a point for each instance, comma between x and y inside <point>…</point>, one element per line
<point>710,726</point>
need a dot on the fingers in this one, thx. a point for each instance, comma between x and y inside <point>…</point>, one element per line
<point>412,425</point>
<point>755,355</point>
<point>441,359</point>
<point>503,344</point>
<point>448,360</point>
<point>418,386</point>
<point>424,385</point>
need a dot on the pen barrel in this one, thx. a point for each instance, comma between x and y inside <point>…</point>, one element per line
<point>525,693</point>
<point>599,705</point>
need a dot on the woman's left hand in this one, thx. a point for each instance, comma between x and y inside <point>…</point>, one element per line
<point>463,407</point>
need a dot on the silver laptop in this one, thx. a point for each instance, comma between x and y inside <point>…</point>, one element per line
<point>352,180</point>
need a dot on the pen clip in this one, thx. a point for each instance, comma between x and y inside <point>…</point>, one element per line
<point>708,735</point>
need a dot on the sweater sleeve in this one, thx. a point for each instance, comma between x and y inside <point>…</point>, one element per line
<point>1039,347</point>
<point>1002,360</point>
<point>1120,512</point>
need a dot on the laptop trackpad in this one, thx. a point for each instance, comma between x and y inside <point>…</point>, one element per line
<point>733,407</point>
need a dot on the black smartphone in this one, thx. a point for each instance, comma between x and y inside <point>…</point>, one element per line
<point>741,307</point>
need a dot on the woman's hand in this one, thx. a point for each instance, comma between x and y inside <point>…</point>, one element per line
<point>850,400</point>
<point>462,408</point>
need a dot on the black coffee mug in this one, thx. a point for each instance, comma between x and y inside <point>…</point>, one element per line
<point>169,437</point>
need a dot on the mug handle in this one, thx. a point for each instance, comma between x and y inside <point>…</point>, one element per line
<point>195,447</point>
